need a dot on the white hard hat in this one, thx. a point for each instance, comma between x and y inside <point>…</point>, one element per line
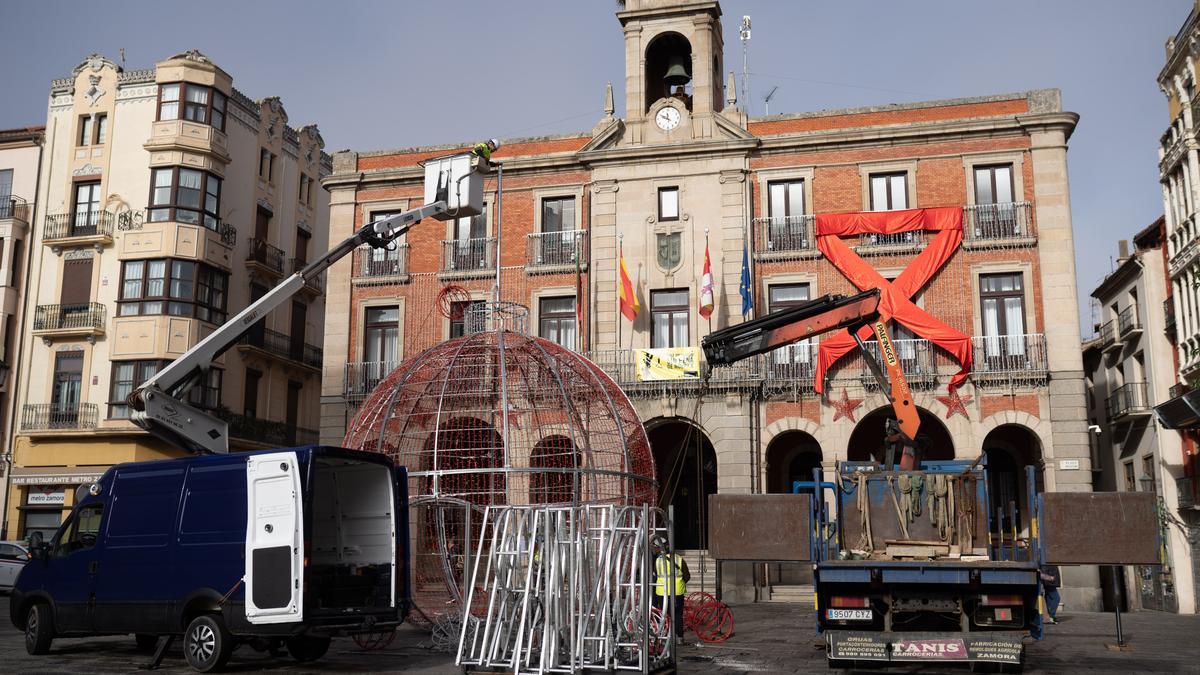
<point>495,142</point>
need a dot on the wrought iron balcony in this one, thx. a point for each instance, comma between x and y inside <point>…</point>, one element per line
<point>363,376</point>
<point>916,357</point>
<point>469,255</point>
<point>1169,316</point>
<point>316,285</point>
<point>283,346</point>
<point>14,208</point>
<point>791,368</point>
<point>1127,321</point>
<point>900,240</point>
<point>557,249</point>
<point>88,317</point>
<point>1129,399</point>
<point>82,226</point>
<point>267,433</point>
<point>998,223</point>
<point>380,265</point>
<point>59,417</point>
<point>265,257</point>
<point>783,237</point>
<point>1010,355</point>
<point>1108,334</point>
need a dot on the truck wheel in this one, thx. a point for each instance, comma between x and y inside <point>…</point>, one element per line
<point>146,642</point>
<point>206,643</point>
<point>39,629</point>
<point>307,648</point>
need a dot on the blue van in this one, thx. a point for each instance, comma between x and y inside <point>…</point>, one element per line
<point>285,546</point>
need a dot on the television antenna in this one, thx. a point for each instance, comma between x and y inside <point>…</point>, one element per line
<point>744,34</point>
<point>767,100</point>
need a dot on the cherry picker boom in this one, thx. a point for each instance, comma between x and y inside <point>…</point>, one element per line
<point>822,315</point>
<point>453,188</point>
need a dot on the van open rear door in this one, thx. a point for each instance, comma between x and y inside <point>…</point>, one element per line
<point>274,539</point>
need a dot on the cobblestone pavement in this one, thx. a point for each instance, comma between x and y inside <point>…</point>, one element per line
<point>770,638</point>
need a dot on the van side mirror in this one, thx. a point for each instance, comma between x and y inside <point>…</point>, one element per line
<point>38,548</point>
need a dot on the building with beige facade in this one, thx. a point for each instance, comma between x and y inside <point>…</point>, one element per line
<point>20,161</point>
<point>683,168</point>
<point>1130,368</point>
<point>168,201</point>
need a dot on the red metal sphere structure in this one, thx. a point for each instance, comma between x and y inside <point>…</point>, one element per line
<point>499,417</point>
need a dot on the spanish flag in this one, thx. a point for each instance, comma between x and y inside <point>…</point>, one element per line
<point>629,300</point>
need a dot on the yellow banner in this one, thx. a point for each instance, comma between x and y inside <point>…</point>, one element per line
<point>676,363</point>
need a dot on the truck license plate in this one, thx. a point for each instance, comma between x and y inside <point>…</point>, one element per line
<point>849,614</point>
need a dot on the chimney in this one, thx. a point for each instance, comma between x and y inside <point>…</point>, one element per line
<point>1122,251</point>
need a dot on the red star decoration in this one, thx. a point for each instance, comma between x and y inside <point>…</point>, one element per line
<point>955,403</point>
<point>845,407</point>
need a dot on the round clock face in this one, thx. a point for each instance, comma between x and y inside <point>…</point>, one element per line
<point>667,118</point>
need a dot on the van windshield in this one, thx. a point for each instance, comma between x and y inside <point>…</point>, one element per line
<point>80,531</point>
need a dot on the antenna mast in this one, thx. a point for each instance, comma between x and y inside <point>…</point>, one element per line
<point>767,100</point>
<point>744,32</point>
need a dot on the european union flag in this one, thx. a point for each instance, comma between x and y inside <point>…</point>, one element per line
<point>745,289</point>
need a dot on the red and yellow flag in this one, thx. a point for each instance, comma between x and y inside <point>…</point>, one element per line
<point>629,300</point>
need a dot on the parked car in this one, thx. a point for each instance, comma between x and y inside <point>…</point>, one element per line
<point>13,556</point>
<point>291,545</point>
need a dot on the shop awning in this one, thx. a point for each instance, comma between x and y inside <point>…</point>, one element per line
<point>47,475</point>
<point>1181,412</point>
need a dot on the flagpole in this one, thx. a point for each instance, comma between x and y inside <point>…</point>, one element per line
<point>620,259</point>
<point>635,290</point>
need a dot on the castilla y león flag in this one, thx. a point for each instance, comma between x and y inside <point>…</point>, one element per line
<point>629,300</point>
<point>706,287</point>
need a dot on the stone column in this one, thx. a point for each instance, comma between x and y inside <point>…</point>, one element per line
<point>338,309</point>
<point>602,267</point>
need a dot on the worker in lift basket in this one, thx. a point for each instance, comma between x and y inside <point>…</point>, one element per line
<point>663,564</point>
<point>484,150</point>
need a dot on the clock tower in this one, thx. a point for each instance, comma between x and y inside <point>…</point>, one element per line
<point>673,64</point>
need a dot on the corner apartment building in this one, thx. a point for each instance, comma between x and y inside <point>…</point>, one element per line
<point>685,167</point>
<point>1131,367</point>
<point>169,200</point>
<point>20,160</point>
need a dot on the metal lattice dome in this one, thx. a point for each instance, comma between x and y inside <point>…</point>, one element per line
<point>499,417</point>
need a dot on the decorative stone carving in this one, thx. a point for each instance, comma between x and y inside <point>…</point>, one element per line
<point>94,91</point>
<point>265,205</point>
<point>669,250</point>
<point>78,254</point>
<point>88,169</point>
<point>192,55</point>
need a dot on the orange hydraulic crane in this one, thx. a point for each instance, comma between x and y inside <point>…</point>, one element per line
<point>828,313</point>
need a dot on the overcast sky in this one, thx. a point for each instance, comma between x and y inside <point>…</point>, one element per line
<point>378,75</point>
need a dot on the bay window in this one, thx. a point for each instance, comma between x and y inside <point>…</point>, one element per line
<point>185,196</point>
<point>199,104</point>
<point>128,375</point>
<point>174,287</point>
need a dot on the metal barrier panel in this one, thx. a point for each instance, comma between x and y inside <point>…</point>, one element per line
<point>764,528</point>
<point>1100,528</point>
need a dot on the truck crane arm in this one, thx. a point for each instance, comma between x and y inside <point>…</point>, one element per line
<point>822,315</point>
<point>157,404</point>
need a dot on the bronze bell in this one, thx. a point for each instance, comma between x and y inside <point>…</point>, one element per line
<point>677,74</point>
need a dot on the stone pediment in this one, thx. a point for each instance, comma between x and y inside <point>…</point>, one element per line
<point>607,137</point>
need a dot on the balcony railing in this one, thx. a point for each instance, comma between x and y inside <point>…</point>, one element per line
<point>998,222</point>
<point>266,255</point>
<point>783,236</point>
<point>1127,321</point>
<point>363,376</point>
<point>1011,355</point>
<point>916,357</point>
<point>557,249</point>
<point>1128,399</point>
<point>790,368</point>
<point>910,240</point>
<point>78,224</point>
<point>268,432</point>
<point>13,208</point>
<point>1169,315</point>
<point>279,344</point>
<point>1108,334</point>
<point>469,255</point>
<point>315,284</point>
<point>84,316</point>
<point>56,417</point>
<point>380,263</point>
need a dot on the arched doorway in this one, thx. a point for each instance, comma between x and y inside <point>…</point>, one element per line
<point>1009,448</point>
<point>667,50</point>
<point>556,457</point>
<point>687,474</point>
<point>791,456</point>
<point>867,440</point>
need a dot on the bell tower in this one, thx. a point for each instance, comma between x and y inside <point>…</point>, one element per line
<point>674,56</point>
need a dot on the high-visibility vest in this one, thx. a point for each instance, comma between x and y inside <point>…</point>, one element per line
<point>662,568</point>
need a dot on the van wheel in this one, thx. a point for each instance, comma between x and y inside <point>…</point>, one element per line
<point>39,629</point>
<point>146,642</point>
<point>206,644</point>
<point>307,648</point>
